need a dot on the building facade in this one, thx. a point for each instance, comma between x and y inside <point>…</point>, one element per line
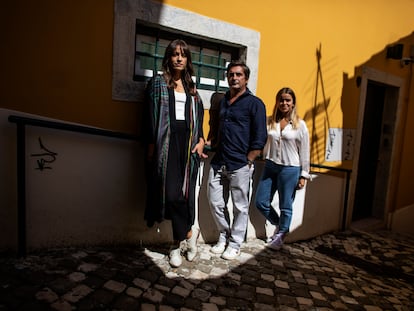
<point>86,63</point>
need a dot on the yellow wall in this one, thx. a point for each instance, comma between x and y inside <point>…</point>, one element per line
<point>57,60</point>
<point>349,34</point>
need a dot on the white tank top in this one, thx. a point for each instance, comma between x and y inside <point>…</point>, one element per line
<point>180,99</point>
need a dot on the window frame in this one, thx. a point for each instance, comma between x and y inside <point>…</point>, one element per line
<point>181,22</point>
<point>198,46</point>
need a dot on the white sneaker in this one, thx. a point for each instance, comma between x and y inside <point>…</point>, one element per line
<point>175,258</point>
<point>192,244</point>
<point>218,248</point>
<point>277,242</point>
<point>230,253</point>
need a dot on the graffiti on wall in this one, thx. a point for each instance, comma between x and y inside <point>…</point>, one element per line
<point>45,157</point>
<point>340,144</point>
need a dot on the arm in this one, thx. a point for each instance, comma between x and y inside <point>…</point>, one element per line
<point>304,151</point>
<point>253,154</point>
<point>258,131</point>
<point>304,156</point>
<point>214,112</point>
<point>199,147</point>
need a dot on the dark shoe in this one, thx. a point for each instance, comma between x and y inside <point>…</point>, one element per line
<point>277,242</point>
<point>273,236</point>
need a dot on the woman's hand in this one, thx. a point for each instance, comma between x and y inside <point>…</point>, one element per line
<point>301,183</point>
<point>199,148</point>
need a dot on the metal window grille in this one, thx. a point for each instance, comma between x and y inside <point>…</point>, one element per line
<point>210,58</point>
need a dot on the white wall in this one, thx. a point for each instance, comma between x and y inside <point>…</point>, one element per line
<point>402,221</point>
<point>316,210</point>
<point>94,193</point>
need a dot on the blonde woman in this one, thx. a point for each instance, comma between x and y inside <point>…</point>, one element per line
<point>287,162</point>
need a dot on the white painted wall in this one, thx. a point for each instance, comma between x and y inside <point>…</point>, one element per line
<point>94,193</point>
<point>402,220</point>
<point>316,210</point>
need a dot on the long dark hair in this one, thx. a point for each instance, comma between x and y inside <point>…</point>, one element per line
<point>187,73</point>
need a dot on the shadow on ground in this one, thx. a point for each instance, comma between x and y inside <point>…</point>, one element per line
<point>341,271</point>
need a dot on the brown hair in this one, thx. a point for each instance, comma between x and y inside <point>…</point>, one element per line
<point>242,64</point>
<point>187,73</point>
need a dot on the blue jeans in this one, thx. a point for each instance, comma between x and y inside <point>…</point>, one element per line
<point>283,179</point>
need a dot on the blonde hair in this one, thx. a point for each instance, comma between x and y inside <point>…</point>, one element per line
<point>277,115</point>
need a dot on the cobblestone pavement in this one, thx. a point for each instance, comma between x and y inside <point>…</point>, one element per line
<point>339,271</point>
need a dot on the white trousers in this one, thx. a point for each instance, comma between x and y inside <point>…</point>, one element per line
<point>222,184</point>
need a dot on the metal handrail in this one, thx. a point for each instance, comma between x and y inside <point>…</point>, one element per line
<point>21,122</point>
<point>70,127</point>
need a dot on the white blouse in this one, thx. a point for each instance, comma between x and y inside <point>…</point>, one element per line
<point>180,99</point>
<point>289,147</point>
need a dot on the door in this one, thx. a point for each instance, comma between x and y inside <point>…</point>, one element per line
<point>375,151</point>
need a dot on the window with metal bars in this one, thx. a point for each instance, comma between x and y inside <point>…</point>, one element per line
<point>210,58</point>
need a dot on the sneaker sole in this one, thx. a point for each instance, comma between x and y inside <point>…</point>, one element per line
<point>218,251</point>
<point>230,258</point>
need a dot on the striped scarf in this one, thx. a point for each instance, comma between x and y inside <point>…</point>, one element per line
<point>159,93</point>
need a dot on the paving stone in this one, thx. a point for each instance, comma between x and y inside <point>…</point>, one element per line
<point>126,303</point>
<point>174,300</point>
<point>209,307</point>
<point>87,267</point>
<point>154,296</point>
<point>148,307</point>
<point>201,294</point>
<point>162,288</point>
<point>264,291</point>
<point>115,286</point>
<point>101,297</point>
<point>191,303</point>
<point>338,271</point>
<point>141,283</point>
<point>47,295</point>
<point>61,285</point>
<point>134,292</point>
<point>181,291</point>
<point>77,293</point>
<point>61,306</point>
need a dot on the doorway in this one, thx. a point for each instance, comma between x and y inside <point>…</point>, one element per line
<point>371,193</point>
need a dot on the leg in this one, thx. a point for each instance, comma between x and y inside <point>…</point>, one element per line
<point>287,180</point>
<point>240,181</point>
<point>217,192</point>
<point>265,192</point>
<point>192,243</point>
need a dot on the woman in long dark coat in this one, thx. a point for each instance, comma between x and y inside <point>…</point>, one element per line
<point>175,143</point>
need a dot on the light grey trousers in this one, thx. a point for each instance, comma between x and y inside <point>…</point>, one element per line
<point>222,184</point>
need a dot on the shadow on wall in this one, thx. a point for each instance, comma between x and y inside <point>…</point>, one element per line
<point>375,102</point>
<point>317,118</point>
